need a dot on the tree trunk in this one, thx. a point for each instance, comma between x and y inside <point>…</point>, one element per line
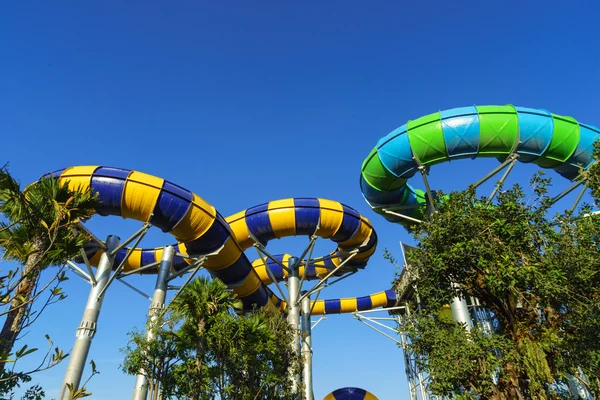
<point>199,357</point>
<point>18,308</point>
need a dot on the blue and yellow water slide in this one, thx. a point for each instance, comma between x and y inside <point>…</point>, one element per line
<point>350,393</point>
<point>202,231</point>
<point>532,136</point>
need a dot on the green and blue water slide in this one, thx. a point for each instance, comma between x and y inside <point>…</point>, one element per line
<point>533,136</point>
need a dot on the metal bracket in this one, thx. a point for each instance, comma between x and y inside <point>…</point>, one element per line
<point>322,318</point>
<point>431,207</point>
<point>493,172</point>
<point>138,291</point>
<point>512,159</point>
<point>92,236</point>
<point>262,248</point>
<point>138,236</point>
<point>79,272</point>
<point>308,253</point>
<point>322,281</point>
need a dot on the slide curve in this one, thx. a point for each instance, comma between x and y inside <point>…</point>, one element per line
<point>201,230</point>
<point>350,393</point>
<point>551,141</point>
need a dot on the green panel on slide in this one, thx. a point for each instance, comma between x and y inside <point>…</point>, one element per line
<point>377,175</point>
<point>499,130</point>
<point>426,139</point>
<point>564,142</point>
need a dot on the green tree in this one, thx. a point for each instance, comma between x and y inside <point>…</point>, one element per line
<point>538,276</point>
<point>37,230</point>
<point>197,306</point>
<point>202,350</point>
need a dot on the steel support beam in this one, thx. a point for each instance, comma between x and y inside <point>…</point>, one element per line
<point>307,352</point>
<point>158,302</point>
<point>293,316</point>
<point>87,327</point>
<point>460,312</point>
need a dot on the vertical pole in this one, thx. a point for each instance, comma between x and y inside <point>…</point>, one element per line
<point>460,312</point>
<point>307,349</point>
<point>158,302</point>
<point>293,317</point>
<point>87,327</point>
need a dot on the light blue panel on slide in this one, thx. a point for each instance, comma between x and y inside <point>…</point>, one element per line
<point>395,153</point>
<point>535,133</point>
<point>461,131</point>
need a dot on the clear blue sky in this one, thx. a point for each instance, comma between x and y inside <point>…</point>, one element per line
<point>247,102</point>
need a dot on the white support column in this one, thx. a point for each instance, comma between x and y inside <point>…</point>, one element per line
<point>307,350</point>
<point>293,317</point>
<point>87,327</point>
<point>158,302</point>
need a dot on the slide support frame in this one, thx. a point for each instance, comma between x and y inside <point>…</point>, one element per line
<point>158,303</point>
<point>87,328</point>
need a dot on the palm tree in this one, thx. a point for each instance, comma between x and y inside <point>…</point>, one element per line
<point>38,231</point>
<point>197,303</point>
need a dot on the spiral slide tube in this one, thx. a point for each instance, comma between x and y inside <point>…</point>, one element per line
<point>201,231</point>
<point>538,136</point>
<point>333,306</point>
<point>188,217</point>
<point>350,393</point>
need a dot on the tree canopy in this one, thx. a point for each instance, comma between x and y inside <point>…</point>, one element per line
<point>535,273</point>
<point>200,349</point>
<point>38,229</point>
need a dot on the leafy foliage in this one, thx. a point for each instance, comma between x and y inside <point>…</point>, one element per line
<point>201,350</point>
<point>537,275</point>
<point>38,229</point>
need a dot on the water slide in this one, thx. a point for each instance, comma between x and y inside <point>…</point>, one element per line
<point>350,393</point>
<point>533,136</point>
<point>201,230</point>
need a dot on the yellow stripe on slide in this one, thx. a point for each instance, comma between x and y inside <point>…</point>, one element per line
<point>282,217</point>
<point>360,236</point>
<point>274,300</point>
<point>140,195</point>
<point>261,271</point>
<point>198,219</point>
<point>365,255</point>
<point>134,260</point>
<point>249,286</point>
<point>348,305</point>
<point>378,299</point>
<point>95,259</point>
<point>78,177</point>
<point>332,215</point>
<point>369,396</point>
<point>181,249</point>
<point>318,307</point>
<point>321,272</point>
<point>229,254</point>
<point>239,228</point>
<point>329,397</point>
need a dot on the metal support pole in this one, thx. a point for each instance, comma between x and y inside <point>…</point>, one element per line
<point>431,206</point>
<point>293,317</point>
<point>87,327</point>
<point>158,302</point>
<point>501,181</point>
<point>460,312</point>
<point>307,350</point>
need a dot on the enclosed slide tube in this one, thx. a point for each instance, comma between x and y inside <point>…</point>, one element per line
<point>350,393</point>
<point>201,230</point>
<point>538,136</point>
